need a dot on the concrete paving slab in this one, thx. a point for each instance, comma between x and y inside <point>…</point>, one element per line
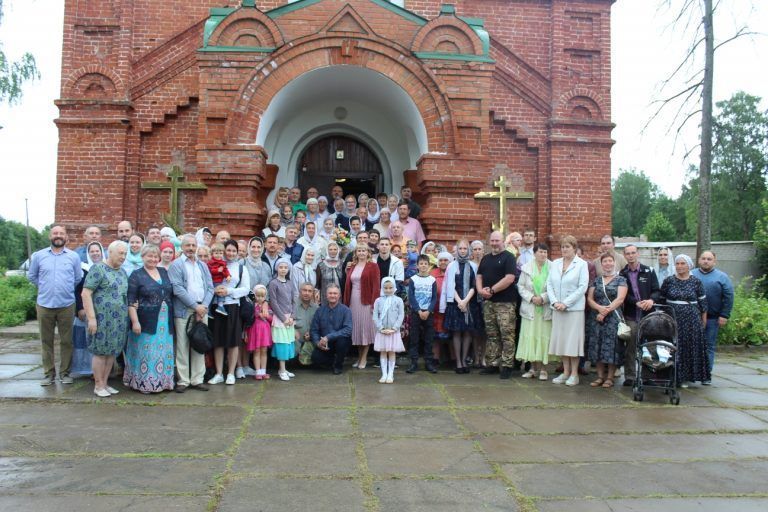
<point>302,422</point>
<point>621,447</point>
<point>15,388</point>
<point>118,416</point>
<point>384,395</point>
<point>317,457</point>
<point>753,381</point>
<point>281,495</point>
<point>731,368</point>
<point>638,479</point>
<point>241,394</point>
<point>370,377</point>
<point>649,504</point>
<point>407,422</point>
<point>107,475</point>
<point>8,371</point>
<point>499,396</point>
<point>19,358</point>
<point>279,395</point>
<point>311,377</point>
<point>142,439</point>
<point>444,495</point>
<point>80,503</point>
<point>126,395</point>
<point>553,395</point>
<point>736,397</point>
<point>762,414</point>
<point>662,419</point>
<point>438,457</point>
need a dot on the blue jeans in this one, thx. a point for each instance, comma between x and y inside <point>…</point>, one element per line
<point>710,338</point>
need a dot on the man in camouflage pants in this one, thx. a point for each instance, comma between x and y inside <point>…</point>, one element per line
<point>495,283</point>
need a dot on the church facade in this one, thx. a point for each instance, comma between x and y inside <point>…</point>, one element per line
<point>241,97</point>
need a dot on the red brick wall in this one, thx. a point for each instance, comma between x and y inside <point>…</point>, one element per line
<point>136,92</point>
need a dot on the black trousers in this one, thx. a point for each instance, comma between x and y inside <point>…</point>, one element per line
<point>421,329</point>
<point>335,355</point>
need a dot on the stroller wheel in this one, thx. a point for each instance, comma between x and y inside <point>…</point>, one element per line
<point>638,396</point>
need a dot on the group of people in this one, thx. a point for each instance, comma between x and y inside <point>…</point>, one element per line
<point>367,277</point>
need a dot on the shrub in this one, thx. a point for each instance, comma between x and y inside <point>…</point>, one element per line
<point>748,324</point>
<point>17,301</point>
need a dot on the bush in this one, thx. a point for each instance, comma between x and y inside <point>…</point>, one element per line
<point>748,324</point>
<point>17,301</point>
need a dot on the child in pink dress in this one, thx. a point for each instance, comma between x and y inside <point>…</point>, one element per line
<point>260,333</point>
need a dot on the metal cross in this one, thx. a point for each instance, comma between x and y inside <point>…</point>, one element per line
<point>503,195</point>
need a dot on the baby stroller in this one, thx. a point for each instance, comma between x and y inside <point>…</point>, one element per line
<point>656,354</point>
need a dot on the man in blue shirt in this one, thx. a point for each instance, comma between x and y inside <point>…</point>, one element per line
<point>719,290</point>
<point>56,271</point>
<point>331,331</point>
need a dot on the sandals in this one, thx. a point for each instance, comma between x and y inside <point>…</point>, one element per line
<point>597,382</point>
<point>608,384</point>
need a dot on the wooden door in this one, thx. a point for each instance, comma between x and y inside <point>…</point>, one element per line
<point>343,160</point>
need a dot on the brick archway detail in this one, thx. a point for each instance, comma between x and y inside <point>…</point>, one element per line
<point>447,29</point>
<point>581,99</point>
<point>247,22</point>
<point>322,50</point>
<point>75,85</point>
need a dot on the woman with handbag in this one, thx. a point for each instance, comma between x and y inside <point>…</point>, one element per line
<point>228,329</point>
<point>605,298</point>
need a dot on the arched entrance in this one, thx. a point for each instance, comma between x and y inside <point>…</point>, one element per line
<point>372,114</point>
<point>342,160</point>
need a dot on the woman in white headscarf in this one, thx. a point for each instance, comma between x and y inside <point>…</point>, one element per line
<point>374,210</point>
<point>81,356</point>
<point>303,271</point>
<point>274,225</point>
<point>664,266</point>
<point>388,315</point>
<point>204,236</point>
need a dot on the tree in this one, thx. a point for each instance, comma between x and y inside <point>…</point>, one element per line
<point>698,86</point>
<point>14,74</point>
<point>13,243</point>
<point>633,194</point>
<point>658,228</point>
<point>761,238</point>
<point>673,210</point>
<point>740,163</point>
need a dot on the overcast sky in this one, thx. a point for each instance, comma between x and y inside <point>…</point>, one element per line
<point>644,51</point>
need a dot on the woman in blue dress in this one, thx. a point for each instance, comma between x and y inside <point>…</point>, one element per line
<point>149,355</point>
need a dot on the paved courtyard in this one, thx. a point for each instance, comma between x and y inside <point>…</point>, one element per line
<point>441,442</point>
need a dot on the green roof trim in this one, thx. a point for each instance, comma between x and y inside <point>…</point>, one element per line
<point>217,15</point>
<point>287,8</point>
<point>249,3</point>
<point>447,9</point>
<point>244,49</point>
<point>478,25</point>
<point>454,56</point>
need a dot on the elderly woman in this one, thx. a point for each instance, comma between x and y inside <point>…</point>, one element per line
<point>105,300</point>
<point>149,355</point>
<point>167,254</point>
<point>567,285</point>
<point>204,237</point>
<point>313,210</point>
<point>384,223</point>
<point>81,357</point>
<point>330,271</point>
<point>536,315</point>
<point>362,290</point>
<point>133,258</point>
<point>303,271</point>
<point>605,297</point>
<point>663,268</point>
<point>374,211</point>
<point>322,209</point>
<point>227,329</point>
<point>685,294</point>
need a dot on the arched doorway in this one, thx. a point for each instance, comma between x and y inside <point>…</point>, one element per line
<point>342,160</point>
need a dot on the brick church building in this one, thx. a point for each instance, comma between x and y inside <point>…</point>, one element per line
<point>246,96</point>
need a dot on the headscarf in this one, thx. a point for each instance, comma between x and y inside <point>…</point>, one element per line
<point>307,268</point>
<point>373,217</point>
<point>663,273</point>
<point>328,258</point>
<point>169,245</point>
<point>687,259</point>
<point>326,203</point>
<point>199,236</point>
<point>284,221</point>
<point>283,261</point>
<point>387,300</point>
<point>426,246</point>
<point>466,276</point>
<point>134,259</point>
<point>89,263</point>
<point>167,231</point>
<point>445,255</point>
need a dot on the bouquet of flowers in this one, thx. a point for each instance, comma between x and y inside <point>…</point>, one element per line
<point>341,236</point>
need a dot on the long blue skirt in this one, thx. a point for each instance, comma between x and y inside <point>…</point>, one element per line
<point>149,358</point>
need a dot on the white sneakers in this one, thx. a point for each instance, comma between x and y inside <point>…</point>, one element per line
<point>560,380</point>
<point>111,390</point>
<point>239,373</point>
<point>216,379</point>
<point>573,380</point>
<point>230,379</point>
<point>284,375</point>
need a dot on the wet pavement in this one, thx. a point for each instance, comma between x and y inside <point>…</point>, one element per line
<point>441,442</point>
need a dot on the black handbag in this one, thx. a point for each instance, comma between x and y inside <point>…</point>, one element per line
<point>247,309</point>
<point>199,335</point>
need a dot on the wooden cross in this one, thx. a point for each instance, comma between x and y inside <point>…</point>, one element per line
<point>503,195</point>
<point>177,183</point>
